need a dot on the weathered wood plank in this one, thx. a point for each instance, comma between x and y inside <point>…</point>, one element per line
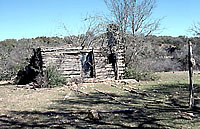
<point>71,76</point>
<point>70,73</point>
<point>69,65</point>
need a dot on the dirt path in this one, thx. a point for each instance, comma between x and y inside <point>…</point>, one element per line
<point>159,104</point>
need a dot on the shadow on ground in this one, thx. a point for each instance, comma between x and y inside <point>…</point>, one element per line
<point>163,107</point>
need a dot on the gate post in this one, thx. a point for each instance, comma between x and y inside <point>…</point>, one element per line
<point>190,67</point>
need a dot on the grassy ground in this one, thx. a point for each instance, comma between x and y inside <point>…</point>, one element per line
<point>159,104</point>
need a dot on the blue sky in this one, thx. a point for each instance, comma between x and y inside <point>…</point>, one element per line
<point>32,18</point>
<point>179,15</point>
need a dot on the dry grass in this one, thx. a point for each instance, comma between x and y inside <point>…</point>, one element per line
<point>22,99</point>
<point>159,104</point>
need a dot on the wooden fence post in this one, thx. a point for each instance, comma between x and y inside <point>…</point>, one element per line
<point>190,66</point>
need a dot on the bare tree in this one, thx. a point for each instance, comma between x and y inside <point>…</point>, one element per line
<point>134,15</point>
<point>93,27</point>
<point>195,29</point>
<point>120,13</point>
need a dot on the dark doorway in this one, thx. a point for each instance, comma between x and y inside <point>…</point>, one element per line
<point>87,63</point>
<point>112,59</point>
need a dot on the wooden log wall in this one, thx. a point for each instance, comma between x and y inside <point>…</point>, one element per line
<point>102,68</point>
<point>67,60</point>
<point>121,59</point>
<point>121,63</point>
<point>115,37</point>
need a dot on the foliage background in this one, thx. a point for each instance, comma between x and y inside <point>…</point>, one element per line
<point>143,54</point>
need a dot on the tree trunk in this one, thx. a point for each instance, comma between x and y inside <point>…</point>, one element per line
<point>190,65</point>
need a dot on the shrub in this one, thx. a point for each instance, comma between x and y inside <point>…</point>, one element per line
<point>53,77</point>
<point>166,65</point>
<point>140,75</point>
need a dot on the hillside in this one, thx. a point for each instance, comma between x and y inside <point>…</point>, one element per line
<point>152,53</point>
